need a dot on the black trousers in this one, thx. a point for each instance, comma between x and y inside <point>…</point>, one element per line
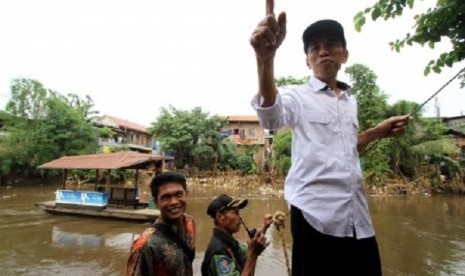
<point>314,253</point>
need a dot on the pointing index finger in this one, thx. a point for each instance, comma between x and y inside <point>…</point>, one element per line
<point>269,7</point>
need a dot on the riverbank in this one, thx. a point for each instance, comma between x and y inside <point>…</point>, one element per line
<point>268,184</point>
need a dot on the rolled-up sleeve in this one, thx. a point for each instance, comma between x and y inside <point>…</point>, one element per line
<point>273,117</point>
<point>279,115</point>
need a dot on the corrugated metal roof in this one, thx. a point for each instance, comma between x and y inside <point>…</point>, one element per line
<point>127,124</point>
<point>118,160</point>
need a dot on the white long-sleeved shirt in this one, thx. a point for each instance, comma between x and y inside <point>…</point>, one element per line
<point>325,178</point>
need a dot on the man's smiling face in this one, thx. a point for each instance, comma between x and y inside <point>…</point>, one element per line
<point>171,201</point>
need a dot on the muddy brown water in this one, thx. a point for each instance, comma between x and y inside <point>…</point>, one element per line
<point>417,235</point>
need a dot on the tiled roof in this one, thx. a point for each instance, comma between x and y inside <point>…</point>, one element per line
<point>241,118</point>
<point>127,124</point>
<point>118,160</point>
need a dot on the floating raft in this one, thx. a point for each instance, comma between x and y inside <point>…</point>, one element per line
<point>145,214</point>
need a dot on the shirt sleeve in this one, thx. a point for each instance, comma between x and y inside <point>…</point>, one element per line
<point>223,265</point>
<point>279,115</point>
<point>139,263</point>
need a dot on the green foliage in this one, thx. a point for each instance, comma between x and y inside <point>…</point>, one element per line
<point>431,129</point>
<point>43,127</point>
<point>203,155</point>
<point>27,100</point>
<point>285,81</point>
<point>193,136</point>
<point>228,155</point>
<point>431,142</point>
<point>442,146</point>
<point>7,119</point>
<point>83,106</point>
<point>83,175</point>
<point>372,102</point>
<point>106,132</point>
<point>376,161</point>
<point>123,176</point>
<point>246,164</point>
<point>282,151</point>
<point>403,107</point>
<point>445,20</point>
<point>67,130</point>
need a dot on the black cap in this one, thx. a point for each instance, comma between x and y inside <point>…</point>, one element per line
<point>320,28</point>
<point>223,202</point>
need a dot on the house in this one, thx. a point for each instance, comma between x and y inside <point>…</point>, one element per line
<point>246,130</point>
<point>125,133</point>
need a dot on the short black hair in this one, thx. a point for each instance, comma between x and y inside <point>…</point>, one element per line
<point>323,27</point>
<point>164,178</point>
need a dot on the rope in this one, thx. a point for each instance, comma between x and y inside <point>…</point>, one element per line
<point>278,221</point>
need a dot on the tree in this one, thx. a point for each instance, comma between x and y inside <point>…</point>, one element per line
<point>282,151</point>
<point>27,99</point>
<point>68,130</point>
<point>400,154</point>
<point>371,101</point>
<point>445,20</point>
<point>193,136</point>
<point>85,106</point>
<point>44,127</point>
<point>227,155</point>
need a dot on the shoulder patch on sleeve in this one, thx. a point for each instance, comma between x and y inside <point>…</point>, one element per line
<point>223,265</point>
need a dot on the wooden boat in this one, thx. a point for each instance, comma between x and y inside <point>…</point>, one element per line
<point>105,201</point>
<point>145,214</point>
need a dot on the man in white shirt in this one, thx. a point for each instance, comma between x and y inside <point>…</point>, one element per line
<point>330,221</point>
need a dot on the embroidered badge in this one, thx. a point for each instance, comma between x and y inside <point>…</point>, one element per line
<point>223,265</point>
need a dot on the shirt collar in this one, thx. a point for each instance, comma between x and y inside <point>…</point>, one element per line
<point>318,85</point>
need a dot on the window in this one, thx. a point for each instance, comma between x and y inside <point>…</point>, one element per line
<point>252,132</point>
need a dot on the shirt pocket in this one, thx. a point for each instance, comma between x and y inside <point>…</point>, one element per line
<point>319,127</point>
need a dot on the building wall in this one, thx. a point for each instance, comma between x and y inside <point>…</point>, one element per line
<point>125,135</point>
<point>455,122</point>
<point>246,132</point>
<point>250,132</point>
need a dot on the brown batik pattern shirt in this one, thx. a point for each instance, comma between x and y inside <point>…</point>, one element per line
<point>153,253</point>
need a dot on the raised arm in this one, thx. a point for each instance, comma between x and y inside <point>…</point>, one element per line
<point>266,39</point>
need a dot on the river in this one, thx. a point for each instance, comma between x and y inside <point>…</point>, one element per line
<point>417,235</point>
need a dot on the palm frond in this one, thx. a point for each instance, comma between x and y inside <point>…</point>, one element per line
<point>443,146</point>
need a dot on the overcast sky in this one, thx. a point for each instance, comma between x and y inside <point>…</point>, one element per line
<point>135,56</point>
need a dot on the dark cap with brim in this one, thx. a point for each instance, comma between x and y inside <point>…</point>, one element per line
<point>323,28</point>
<point>224,202</point>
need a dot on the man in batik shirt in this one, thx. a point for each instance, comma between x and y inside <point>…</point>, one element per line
<point>168,246</point>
